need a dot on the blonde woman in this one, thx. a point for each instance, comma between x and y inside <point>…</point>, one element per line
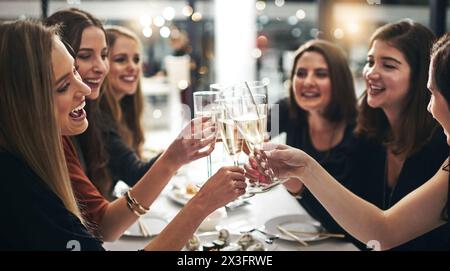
<point>34,179</point>
<point>122,106</point>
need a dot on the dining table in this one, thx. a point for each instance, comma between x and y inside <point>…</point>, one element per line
<point>252,214</point>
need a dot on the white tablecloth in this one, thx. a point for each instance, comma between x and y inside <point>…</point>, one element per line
<point>262,207</point>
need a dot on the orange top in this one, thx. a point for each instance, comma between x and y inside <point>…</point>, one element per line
<point>92,204</point>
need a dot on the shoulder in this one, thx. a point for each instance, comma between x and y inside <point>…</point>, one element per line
<point>8,160</point>
<point>438,140</point>
<point>19,179</point>
<point>13,169</point>
<point>436,149</point>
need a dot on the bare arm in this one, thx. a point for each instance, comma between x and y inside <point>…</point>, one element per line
<point>118,216</point>
<point>184,149</point>
<point>227,184</point>
<point>414,215</point>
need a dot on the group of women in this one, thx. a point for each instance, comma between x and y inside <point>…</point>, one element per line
<point>381,148</point>
<point>53,174</point>
<point>70,109</point>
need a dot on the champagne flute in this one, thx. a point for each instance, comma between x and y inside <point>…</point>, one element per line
<point>232,140</point>
<point>251,121</point>
<point>231,137</point>
<point>205,106</point>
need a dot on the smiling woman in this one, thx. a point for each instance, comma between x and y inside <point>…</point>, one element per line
<point>83,34</point>
<point>70,92</point>
<point>36,106</point>
<point>319,116</point>
<point>405,145</point>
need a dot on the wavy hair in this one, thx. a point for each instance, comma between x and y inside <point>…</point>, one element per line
<point>127,112</point>
<point>414,41</point>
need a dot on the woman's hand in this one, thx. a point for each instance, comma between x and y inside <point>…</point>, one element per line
<point>277,160</point>
<point>223,187</point>
<point>190,143</point>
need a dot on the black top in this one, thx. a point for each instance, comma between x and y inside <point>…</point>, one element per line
<point>123,163</point>
<point>370,182</point>
<point>335,161</point>
<point>33,217</point>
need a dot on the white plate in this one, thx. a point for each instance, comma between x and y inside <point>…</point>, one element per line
<point>295,223</point>
<point>179,195</point>
<point>209,237</point>
<point>153,223</point>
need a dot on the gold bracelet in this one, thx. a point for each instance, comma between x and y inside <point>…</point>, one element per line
<point>134,205</point>
<point>133,210</point>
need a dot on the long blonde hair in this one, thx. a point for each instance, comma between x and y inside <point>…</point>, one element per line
<point>127,112</point>
<point>28,120</point>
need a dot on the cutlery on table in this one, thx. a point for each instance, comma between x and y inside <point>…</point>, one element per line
<point>290,234</point>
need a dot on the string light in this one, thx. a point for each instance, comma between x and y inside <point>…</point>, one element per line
<point>159,21</point>
<point>279,3</point>
<point>169,13</point>
<point>301,14</point>
<point>164,32</point>
<point>296,32</point>
<point>197,16</point>
<point>187,11</point>
<point>292,20</point>
<point>260,5</point>
<point>147,32</point>
<point>338,33</point>
<point>256,53</point>
<point>145,20</point>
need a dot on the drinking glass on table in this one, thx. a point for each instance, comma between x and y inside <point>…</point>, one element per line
<point>205,106</point>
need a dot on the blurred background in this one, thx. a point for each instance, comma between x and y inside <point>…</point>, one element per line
<point>189,44</point>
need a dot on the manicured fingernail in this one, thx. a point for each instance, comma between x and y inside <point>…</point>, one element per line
<point>263,164</point>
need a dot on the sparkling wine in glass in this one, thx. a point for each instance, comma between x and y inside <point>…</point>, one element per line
<point>232,140</point>
<point>252,125</point>
<point>205,106</point>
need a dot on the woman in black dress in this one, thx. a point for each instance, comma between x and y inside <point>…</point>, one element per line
<point>421,211</point>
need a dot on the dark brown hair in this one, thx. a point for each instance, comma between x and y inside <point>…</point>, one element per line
<point>72,23</point>
<point>414,41</point>
<point>342,106</point>
<point>441,65</point>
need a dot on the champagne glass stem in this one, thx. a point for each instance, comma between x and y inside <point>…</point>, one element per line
<point>236,160</point>
<point>209,165</point>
